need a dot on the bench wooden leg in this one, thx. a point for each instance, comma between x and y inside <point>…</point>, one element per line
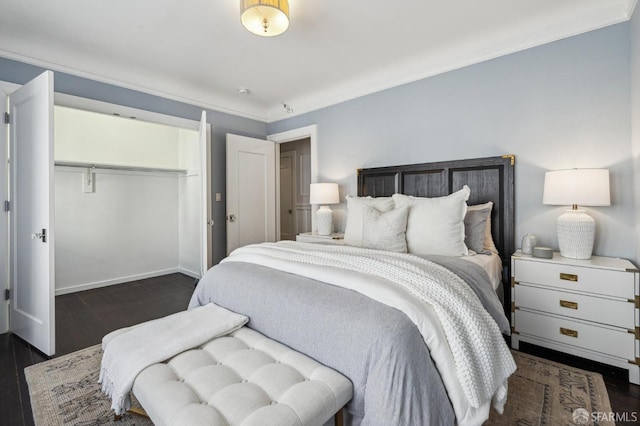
<point>339,419</point>
<point>136,411</point>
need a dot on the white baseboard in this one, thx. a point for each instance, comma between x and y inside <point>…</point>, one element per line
<point>105,283</point>
<point>189,273</point>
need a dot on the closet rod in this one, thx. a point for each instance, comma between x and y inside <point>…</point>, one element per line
<point>115,167</point>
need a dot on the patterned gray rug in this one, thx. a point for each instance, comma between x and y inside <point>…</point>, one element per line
<point>64,391</point>
<point>543,392</point>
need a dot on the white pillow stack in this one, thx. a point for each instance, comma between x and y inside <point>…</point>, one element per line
<point>436,225</point>
<point>404,223</point>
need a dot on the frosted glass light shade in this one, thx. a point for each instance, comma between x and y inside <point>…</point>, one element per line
<point>585,187</point>
<point>266,18</point>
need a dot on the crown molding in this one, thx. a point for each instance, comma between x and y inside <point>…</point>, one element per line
<point>449,59</point>
<point>222,104</point>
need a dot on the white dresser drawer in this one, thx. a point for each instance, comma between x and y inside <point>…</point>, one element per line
<point>581,279</point>
<point>590,308</point>
<point>616,343</point>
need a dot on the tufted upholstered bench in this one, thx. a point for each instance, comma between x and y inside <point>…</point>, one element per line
<point>242,379</point>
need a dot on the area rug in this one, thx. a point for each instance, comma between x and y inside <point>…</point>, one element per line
<point>64,391</point>
<point>543,392</point>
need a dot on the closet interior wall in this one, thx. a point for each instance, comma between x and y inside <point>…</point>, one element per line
<point>136,221</point>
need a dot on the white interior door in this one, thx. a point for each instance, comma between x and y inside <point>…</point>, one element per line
<point>251,191</point>
<point>4,222</point>
<point>32,264</point>
<point>206,218</point>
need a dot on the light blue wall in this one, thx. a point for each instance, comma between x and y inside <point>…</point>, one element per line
<point>221,123</point>
<point>561,105</point>
<point>635,117</point>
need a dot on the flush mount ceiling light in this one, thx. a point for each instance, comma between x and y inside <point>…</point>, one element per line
<point>266,18</point>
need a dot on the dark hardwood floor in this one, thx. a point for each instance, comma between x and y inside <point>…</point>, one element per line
<point>82,319</point>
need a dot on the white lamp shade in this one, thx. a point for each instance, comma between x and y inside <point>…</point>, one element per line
<point>324,193</point>
<point>584,187</point>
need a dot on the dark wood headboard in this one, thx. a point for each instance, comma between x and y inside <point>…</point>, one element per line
<point>490,179</point>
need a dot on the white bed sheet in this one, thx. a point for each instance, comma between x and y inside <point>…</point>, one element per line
<point>490,263</point>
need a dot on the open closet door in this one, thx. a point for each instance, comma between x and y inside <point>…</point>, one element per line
<point>32,313</point>
<point>4,215</point>
<point>206,221</point>
<point>251,191</point>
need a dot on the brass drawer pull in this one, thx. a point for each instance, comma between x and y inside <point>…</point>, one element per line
<point>568,332</point>
<point>568,277</point>
<point>567,304</point>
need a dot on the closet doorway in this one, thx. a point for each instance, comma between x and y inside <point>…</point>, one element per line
<point>35,298</point>
<point>130,196</point>
<point>295,179</point>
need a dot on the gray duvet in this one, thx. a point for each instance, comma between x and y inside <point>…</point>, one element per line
<point>377,347</point>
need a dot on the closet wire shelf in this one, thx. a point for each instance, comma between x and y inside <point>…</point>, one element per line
<point>122,168</point>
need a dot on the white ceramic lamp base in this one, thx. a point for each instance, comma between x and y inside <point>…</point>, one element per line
<point>324,220</point>
<point>576,233</point>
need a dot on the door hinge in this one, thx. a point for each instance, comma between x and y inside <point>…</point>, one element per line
<point>7,206</point>
<point>7,118</point>
<point>7,294</point>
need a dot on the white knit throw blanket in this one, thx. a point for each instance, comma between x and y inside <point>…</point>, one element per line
<point>127,352</point>
<point>483,361</point>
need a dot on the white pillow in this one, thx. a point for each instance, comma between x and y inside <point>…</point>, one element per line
<point>436,225</point>
<point>488,238</point>
<point>384,231</point>
<point>353,229</point>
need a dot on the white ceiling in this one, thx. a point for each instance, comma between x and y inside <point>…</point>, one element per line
<point>197,51</point>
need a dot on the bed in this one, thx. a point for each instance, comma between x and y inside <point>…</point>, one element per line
<point>328,312</point>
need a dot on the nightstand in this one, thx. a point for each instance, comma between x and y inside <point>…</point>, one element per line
<point>311,237</point>
<point>588,308</point>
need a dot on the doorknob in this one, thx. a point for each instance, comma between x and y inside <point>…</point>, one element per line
<point>40,235</point>
<point>290,211</point>
<point>231,218</point>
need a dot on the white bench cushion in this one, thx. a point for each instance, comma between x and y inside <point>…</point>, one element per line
<point>243,379</point>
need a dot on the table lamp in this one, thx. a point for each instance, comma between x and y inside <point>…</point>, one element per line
<point>584,187</point>
<point>324,194</point>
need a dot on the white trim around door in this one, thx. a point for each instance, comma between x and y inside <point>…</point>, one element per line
<point>310,132</point>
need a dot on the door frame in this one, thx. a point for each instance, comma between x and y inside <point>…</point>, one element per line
<point>310,132</point>
<point>86,104</point>
<point>6,89</point>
